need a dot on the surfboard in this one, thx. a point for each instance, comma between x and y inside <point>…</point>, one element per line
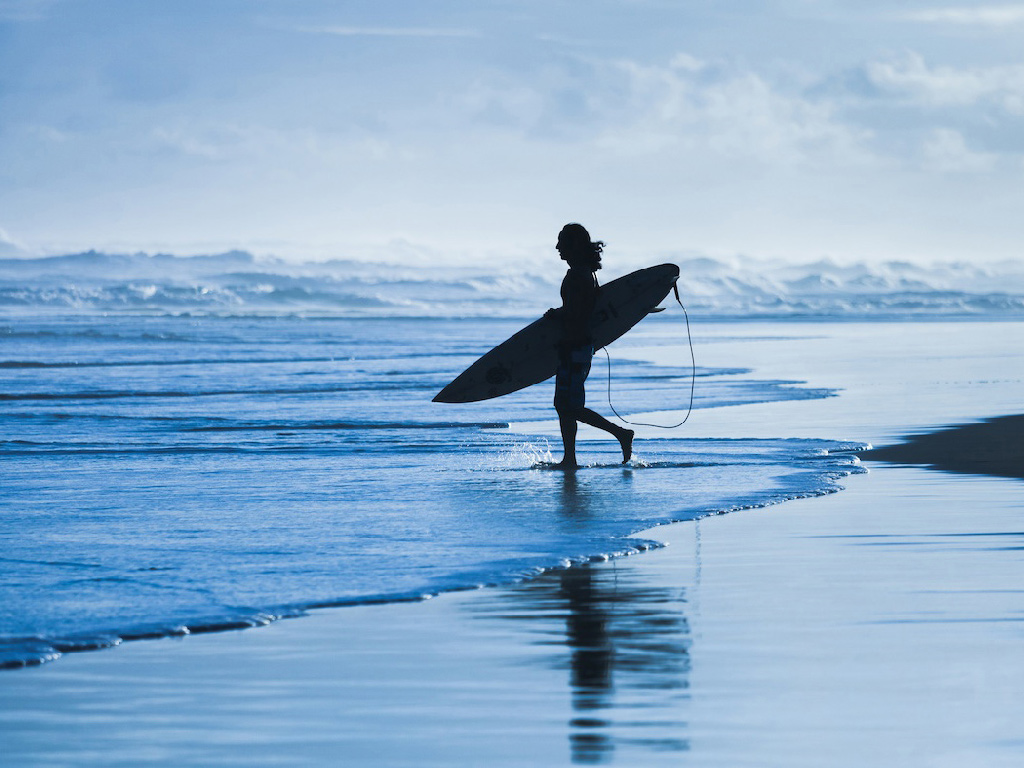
<point>531,355</point>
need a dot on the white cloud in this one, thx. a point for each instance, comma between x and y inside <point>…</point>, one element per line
<point>9,246</point>
<point>990,15</point>
<point>734,113</point>
<point>388,31</point>
<point>224,142</point>
<point>911,77</point>
<point>684,107</point>
<point>687,63</point>
<point>936,117</point>
<point>49,134</point>
<point>946,151</point>
<point>24,10</point>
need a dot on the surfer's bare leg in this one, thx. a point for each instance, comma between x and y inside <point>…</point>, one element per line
<point>567,423</point>
<point>623,435</point>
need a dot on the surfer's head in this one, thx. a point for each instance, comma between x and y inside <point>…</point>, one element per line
<point>575,247</point>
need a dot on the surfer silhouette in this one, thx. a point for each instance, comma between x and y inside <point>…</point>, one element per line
<point>576,347</point>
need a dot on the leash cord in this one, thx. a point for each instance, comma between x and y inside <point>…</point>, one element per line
<point>693,376</point>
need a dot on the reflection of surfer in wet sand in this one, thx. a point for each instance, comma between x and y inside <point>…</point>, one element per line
<point>576,347</point>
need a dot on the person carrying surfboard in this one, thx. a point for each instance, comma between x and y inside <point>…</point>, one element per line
<point>576,347</point>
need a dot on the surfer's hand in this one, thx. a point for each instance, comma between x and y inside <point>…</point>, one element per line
<point>553,312</point>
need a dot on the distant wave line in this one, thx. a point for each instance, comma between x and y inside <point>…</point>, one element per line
<point>394,447</point>
<point>350,425</point>
<point>33,364</point>
<point>48,396</point>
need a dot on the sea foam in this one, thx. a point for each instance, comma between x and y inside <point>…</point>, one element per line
<point>238,283</point>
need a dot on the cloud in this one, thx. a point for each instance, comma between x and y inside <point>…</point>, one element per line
<point>388,31</point>
<point>25,10</point>
<point>934,117</point>
<point>10,247</point>
<point>946,151</point>
<point>683,105</point>
<point>211,142</point>
<point>990,15</point>
<point>737,113</point>
<point>690,112</point>
<point>912,78</point>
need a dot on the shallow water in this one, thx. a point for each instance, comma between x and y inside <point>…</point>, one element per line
<point>173,474</point>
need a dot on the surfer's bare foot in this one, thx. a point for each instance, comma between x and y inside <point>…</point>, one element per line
<point>626,441</point>
<point>569,466</point>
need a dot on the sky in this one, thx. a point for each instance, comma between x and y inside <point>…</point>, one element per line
<point>468,130</point>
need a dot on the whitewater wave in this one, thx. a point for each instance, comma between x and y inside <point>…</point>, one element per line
<point>238,283</point>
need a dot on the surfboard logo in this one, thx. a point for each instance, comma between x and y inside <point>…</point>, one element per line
<point>498,375</point>
<point>604,314</point>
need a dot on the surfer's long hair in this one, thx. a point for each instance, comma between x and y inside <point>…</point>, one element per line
<point>580,250</point>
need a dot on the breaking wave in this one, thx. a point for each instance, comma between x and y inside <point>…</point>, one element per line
<point>238,283</point>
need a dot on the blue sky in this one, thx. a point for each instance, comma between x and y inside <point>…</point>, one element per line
<point>467,130</point>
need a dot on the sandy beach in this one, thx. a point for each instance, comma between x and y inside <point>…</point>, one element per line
<point>880,625</point>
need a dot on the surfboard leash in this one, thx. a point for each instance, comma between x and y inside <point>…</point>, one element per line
<point>693,375</point>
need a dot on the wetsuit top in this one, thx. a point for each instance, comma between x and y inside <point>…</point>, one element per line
<point>579,295</point>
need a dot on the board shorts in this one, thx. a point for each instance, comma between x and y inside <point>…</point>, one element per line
<point>572,372</point>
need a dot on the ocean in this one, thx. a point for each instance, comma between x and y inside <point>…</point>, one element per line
<point>198,444</point>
